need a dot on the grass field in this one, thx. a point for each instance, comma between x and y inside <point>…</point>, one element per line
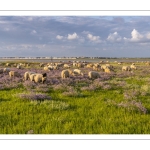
<point>115,103</point>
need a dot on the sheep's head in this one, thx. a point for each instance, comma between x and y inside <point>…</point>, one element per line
<point>44,75</point>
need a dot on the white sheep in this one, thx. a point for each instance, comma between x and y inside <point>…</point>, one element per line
<point>65,74</point>
<point>27,75</point>
<point>6,69</point>
<point>19,66</point>
<point>38,77</point>
<point>46,68</point>
<point>133,67</point>
<point>77,72</point>
<point>93,75</point>
<point>126,68</point>
<point>14,74</point>
<point>66,66</point>
<point>107,70</point>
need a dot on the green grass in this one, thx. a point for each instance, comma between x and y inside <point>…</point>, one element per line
<point>89,112</point>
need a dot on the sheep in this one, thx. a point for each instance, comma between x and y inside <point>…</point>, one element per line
<point>133,67</point>
<point>19,66</point>
<point>80,65</point>
<point>65,74</point>
<point>126,68</point>
<point>46,68</point>
<point>41,64</point>
<point>107,70</point>
<point>75,64</point>
<point>6,69</point>
<point>77,72</point>
<point>93,75</point>
<point>8,64</point>
<point>89,65</point>
<point>14,74</point>
<point>66,66</point>
<point>27,75</point>
<point>38,77</point>
<point>96,68</point>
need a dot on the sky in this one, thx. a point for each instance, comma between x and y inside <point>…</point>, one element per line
<point>75,36</point>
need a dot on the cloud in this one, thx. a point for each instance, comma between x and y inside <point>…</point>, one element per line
<point>114,37</point>
<point>33,32</point>
<point>138,37</point>
<point>59,37</point>
<point>72,37</point>
<point>94,38</point>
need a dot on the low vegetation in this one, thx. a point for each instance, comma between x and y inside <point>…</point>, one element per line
<point>115,103</point>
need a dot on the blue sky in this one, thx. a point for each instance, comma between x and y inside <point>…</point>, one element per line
<point>59,36</point>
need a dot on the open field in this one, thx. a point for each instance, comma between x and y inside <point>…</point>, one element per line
<point>115,103</point>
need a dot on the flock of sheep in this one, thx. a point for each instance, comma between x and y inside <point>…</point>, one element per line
<point>67,70</point>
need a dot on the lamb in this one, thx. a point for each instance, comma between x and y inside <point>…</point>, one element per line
<point>14,74</point>
<point>77,72</point>
<point>27,75</point>
<point>93,75</point>
<point>126,68</point>
<point>65,74</point>
<point>38,77</point>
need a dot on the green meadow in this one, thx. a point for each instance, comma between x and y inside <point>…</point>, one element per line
<point>115,103</point>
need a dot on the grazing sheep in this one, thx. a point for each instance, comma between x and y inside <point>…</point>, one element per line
<point>93,75</point>
<point>14,74</point>
<point>80,65</point>
<point>75,64</point>
<point>110,66</point>
<point>46,68</point>
<point>19,66</point>
<point>133,67</point>
<point>6,69</point>
<point>8,64</point>
<point>89,65</point>
<point>38,77</point>
<point>65,74</point>
<point>77,72</point>
<point>41,64</point>
<point>27,75</point>
<point>126,68</point>
<point>107,70</point>
<point>66,66</point>
<point>96,68</point>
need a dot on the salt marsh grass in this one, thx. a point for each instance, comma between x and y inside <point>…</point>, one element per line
<point>116,103</point>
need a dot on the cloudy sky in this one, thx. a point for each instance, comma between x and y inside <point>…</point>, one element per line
<point>59,36</point>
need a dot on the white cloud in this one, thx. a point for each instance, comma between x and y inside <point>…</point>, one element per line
<point>136,36</point>
<point>59,37</point>
<point>33,32</point>
<point>72,37</point>
<point>94,38</point>
<point>114,37</point>
<point>148,35</point>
